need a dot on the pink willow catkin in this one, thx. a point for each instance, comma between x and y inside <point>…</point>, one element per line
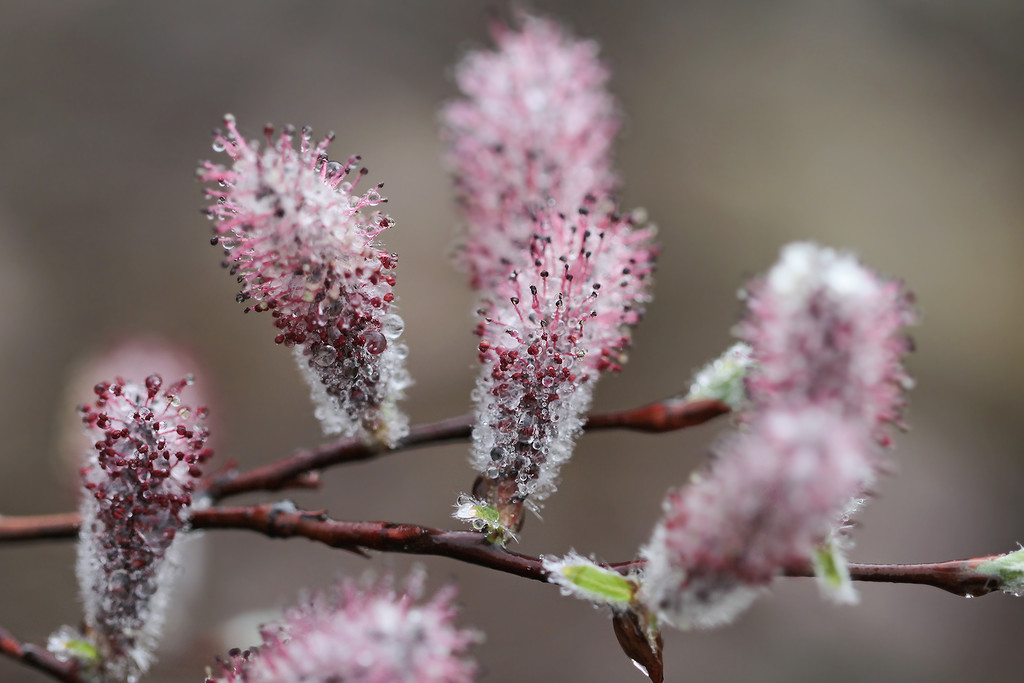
<point>826,330</point>
<point>535,129</point>
<point>360,634</point>
<point>826,337</point>
<point>301,246</point>
<point>561,277</point>
<point>551,329</point>
<point>148,453</point>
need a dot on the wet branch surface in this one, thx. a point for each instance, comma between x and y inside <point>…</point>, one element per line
<point>301,470</point>
<point>283,520</point>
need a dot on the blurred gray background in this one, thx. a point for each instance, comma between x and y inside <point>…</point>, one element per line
<point>891,128</point>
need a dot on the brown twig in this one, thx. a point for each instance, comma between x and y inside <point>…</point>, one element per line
<point>282,520</point>
<point>959,577</point>
<point>664,416</point>
<point>296,470</point>
<point>289,472</point>
<point>39,527</point>
<point>279,521</point>
<point>37,658</point>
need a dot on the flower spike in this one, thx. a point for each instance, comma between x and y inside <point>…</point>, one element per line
<point>551,329</point>
<point>364,634</point>
<point>826,378</point>
<point>149,452</point>
<point>535,129</point>
<point>298,239</point>
<point>826,330</point>
<point>772,497</point>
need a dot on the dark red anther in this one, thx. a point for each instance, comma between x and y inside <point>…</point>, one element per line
<point>153,384</point>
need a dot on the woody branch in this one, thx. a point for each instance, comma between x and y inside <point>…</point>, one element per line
<point>278,520</point>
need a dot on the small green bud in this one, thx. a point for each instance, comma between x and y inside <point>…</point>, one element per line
<point>585,579</point>
<point>722,378</point>
<point>82,650</point>
<point>67,643</point>
<point>832,573</point>
<point>483,517</point>
<point>1008,570</point>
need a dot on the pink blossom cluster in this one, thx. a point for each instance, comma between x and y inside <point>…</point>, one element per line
<point>826,330</point>
<point>361,634</point>
<point>826,339</point>
<point>127,356</point>
<point>302,247</point>
<point>561,276</point>
<point>774,494</point>
<point>149,450</point>
<point>535,129</point>
<point>139,356</point>
<point>548,332</point>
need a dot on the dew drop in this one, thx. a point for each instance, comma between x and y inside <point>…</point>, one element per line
<point>325,356</point>
<point>393,327</point>
<point>374,341</point>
